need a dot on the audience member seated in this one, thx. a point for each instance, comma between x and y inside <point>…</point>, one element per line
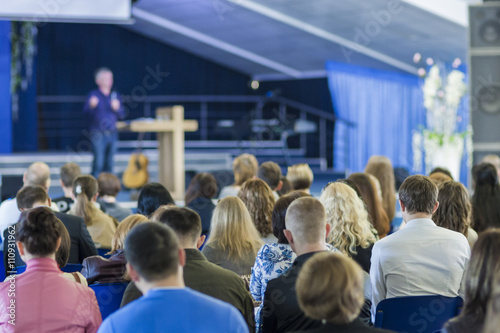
<point>301,177</point>
<point>486,198</point>
<point>199,196</point>
<point>155,263</point>
<point>306,230</point>
<point>270,173</point>
<point>439,177</point>
<point>492,318</point>
<point>109,186</point>
<point>101,226</point>
<point>381,168</point>
<point>286,187</point>
<point>67,175</point>
<point>494,160</point>
<point>371,194</point>
<point>330,289</point>
<point>199,274</point>
<point>244,168</point>
<point>259,200</point>
<point>276,258</point>
<point>483,271</point>
<point>44,299</point>
<point>422,258</point>
<point>234,241</point>
<point>152,196</point>
<point>350,229</point>
<point>81,244</point>
<point>38,173</point>
<point>454,211</point>
<point>444,171</point>
<point>97,269</point>
<point>62,256</point>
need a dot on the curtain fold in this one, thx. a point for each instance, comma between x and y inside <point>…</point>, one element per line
<point>378,112</point>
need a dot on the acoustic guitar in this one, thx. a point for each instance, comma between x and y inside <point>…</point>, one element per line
<point>136,175</point>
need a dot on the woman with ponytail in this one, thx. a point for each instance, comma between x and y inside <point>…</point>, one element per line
<point>41,298</point>
<point>486,198</point>
<point>101,226</point>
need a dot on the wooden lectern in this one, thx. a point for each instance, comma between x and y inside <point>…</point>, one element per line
<point>170,127</point>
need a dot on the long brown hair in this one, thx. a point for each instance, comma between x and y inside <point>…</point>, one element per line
<point>484,269</point>
<point>84,189</point>
<point>454,211</point>
<point>232,229</point>
<point>259,199</point>
<point>202,185</point>
<point>381,168</point>
<point>367,185</point>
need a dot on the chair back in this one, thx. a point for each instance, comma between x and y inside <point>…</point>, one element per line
<point>109,296</point>
<point>102,253</point>
<point>70,268</point>
<point>420,314</point>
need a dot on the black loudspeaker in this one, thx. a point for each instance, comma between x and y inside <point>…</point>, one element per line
<point>484,79</point>
<point>10,185</point>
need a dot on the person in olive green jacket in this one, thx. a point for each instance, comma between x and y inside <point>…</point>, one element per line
<point>200,274</point>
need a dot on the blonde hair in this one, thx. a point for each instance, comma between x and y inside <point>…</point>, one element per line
<point>439,178</point>
<point>330,287</point>
<point>123,229</point>
<point>259,200</point>
<point>84,189</point>
<point>381,168</point>
<point>244,167</point>
<point>348,218</point>
<point>232,229</point>
<point>300,176</point>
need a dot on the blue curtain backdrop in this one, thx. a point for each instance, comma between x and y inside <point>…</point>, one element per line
<point>5,108</point>
<point>384,109</point>
<point>379,112</point>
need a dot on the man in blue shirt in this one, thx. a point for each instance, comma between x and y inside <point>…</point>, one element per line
<point>104,107</point>
<point>155,263</point>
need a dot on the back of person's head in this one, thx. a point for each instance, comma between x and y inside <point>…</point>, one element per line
<point>68,173</point>
<point>330,287</point>
<point>202,185</point>
<point>486,198</point>
<point>418,194</point>
<point>369,188</point>
<point>39,231</point>
<point>492,318</point>
<point>259,200</point>
<point>279,213</point>
<point>152,196</point>
<point>381,168</point>
<point>84,190</point>
<point>400,174</point>
<point>286,186</point>
<point>349,182</point>
<point>348,218</point>
<point>118,240</point>
<point>439,177</point>
<point>270,172</point>
<point>441,170</point>
<point>38,174</point>
<point>185,222</point>
<point>232,228</point>
<point>62,253</point>
<point>29,196</point>
<point>454,211</point>
<point>301,176</point>
<point>244,168</point>
<point>108,184</point>
<point>306,220</point>
<point>483,271</point>
<point>492,159</point>
<point>152,249</point>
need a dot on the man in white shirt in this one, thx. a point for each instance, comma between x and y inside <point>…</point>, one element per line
<point>422,258</point>
<point>38,173</point>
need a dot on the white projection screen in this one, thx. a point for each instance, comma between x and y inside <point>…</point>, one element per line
<point>66,10</point>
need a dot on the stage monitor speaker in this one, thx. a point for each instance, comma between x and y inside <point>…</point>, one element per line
<point>484,77</point>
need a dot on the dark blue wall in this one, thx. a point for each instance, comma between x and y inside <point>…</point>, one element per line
<point>5,108</point>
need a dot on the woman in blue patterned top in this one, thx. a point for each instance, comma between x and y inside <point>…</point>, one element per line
<point>276,258</point>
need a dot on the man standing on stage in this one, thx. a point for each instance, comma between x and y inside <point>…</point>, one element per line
<point>104,107</point>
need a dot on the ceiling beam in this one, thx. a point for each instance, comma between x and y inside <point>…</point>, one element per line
<point>201,37</point>
<point>313,30</point>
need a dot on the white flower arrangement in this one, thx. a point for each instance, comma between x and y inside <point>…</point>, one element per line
<point>442,102</point>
